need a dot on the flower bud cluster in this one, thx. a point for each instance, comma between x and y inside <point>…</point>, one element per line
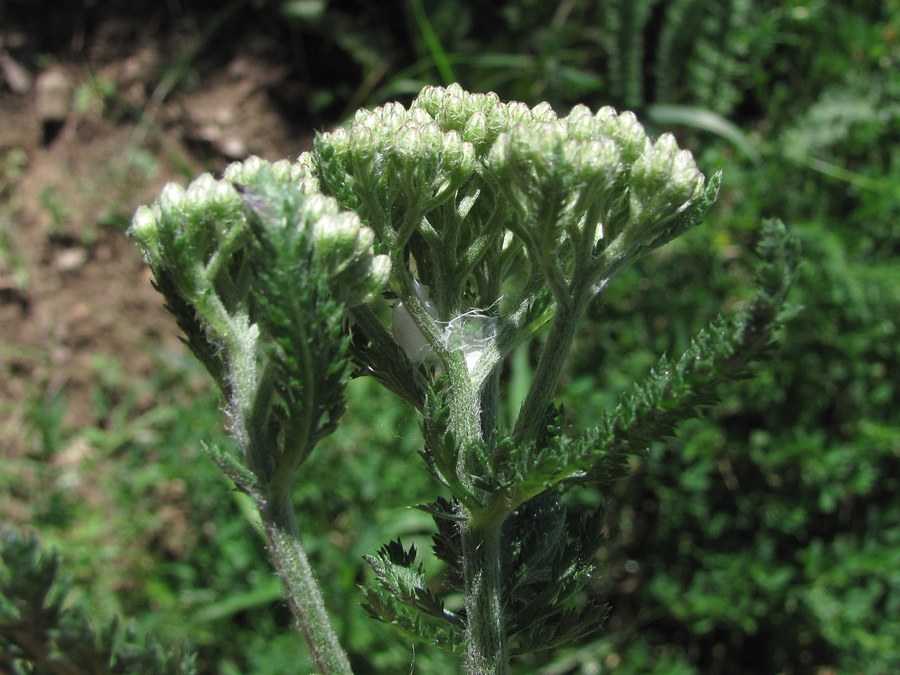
<point>345,247</point>
<point>282,197</point>
<point>598,170</point>
<point>568,188</point>
<point>193,222</point>
<point>424,161</point>
<point>665,176</point>
<point>194,234</point>
<point>480,118</point>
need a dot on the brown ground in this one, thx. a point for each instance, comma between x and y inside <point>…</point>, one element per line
<point>96,115</point>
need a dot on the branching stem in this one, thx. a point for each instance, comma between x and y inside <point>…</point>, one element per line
<point>532,414</point>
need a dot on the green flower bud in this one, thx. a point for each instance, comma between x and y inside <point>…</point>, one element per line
<point>243,173</point>
<point>335,235</point>
<point>594,162</point>
<point>391,116</point>
<point>452,150</point>
<point>145,231</point>
<point>651,174</point>
<point>430,140</point>
<point>362,143</point>
<point>318,207</point>
<point>458,157</point>
<point>497,121</point>
<point>373,280</point>
<point>476,129</point>
<point>201,190</point>
<point>686,177</point>
<point>454,113</point>
<point>456,90</point>
<point>281,170</point>
<point>538,144</point>
<point>363,118</point>
<point>543,112</point>
<point>337,142</point>
<point>225,197</point>
<point>429,100</point>
<point>304,167</point>
<point>483,103</point>
<point>498,159</point>
<point>309,186</point>
<point>380,271</point>
<point>173,199</point>
<point>516,113</point>
<point>419,117</point>
<point>630,136</point>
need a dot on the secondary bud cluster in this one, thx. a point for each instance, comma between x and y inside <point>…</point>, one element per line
<point>346,249</point>
<point>589,180</point>
<point>194,235</point>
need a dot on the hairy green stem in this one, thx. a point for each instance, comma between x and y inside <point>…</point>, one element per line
<point>532,414</point>
<point>486,643</point>
<point>302,589</point>
<point>490,404</point>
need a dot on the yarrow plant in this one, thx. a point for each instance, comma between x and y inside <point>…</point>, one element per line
<point>419,246</point>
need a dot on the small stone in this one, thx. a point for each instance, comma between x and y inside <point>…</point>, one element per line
<point>70,259</point>
<point>54,95</point>
<point>17,77</point>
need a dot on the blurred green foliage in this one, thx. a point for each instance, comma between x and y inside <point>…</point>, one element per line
<point>763,538</point>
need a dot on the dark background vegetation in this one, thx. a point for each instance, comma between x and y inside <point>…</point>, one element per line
<point>764,538</point>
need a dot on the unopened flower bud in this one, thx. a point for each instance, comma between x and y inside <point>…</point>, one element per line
<point>145,231</point>
<point>595,161</point>
<point>335,235</point>
<point>686,176</point>
<point>476,129</point>
<point>380,271</point>
<point>363,117</point>
<point>543,112</point>
<point>245,172</point>
<point>453,114</point>
<point>225,196</point>
<point>581,125</point>
<point>281,170</point>
<point>631,137</point>
<point>362,143</point>
<point>429,100</point>
<point>338,141</point>
<point>373,281</point>
<point>318,207</point>
<point>517,113</point>
<point>201,190</point>
<point>419,117</point>
<point>482,102</point>
<point>173,198</point>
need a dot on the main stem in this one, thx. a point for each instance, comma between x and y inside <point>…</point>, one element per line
<point>486,640</point>
<point>486,649</point>
<point>303,594</point>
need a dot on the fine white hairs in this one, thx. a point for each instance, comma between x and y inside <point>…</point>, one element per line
<point>470,332</point>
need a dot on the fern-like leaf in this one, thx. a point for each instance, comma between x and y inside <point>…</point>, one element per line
<point>40,634</point>
<point>673,391</point>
